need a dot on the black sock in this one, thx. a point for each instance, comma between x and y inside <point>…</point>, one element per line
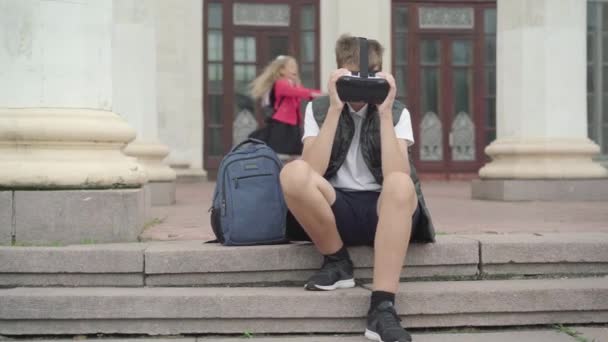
<point>341,254</point>
<point>379,297</point>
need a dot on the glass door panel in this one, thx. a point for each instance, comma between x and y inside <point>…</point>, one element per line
<point>245,58</point>
<point>277,46</point>
<point>431,131</point>
<point>462,133</point>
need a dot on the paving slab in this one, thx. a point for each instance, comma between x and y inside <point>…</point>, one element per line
<point>292,310</point>
<point>597,334</point>
<point>162,193</point>
<point>6,217</point>
<point>74,216</point>
<point>197,263</point>
<point>450,203</point>
<point>506,336</point>
<point>544,253</point>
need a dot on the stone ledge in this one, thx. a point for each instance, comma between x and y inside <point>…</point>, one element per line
<point>71,279</point>
<point>195,263</point>
<point>296,277</point>
<point>541,254</point>
<point>103,258</point>
<point>286,326</point>
<point>540,190</point>
<point>78,265</point>
<point>6,217</point>
<point>197,257</point>
<point>272,310</point>
<point>499,336</point>
<point>73,216</point>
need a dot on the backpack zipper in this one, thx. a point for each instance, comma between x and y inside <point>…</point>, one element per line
<point>224,180</point>
<point>236,179</point>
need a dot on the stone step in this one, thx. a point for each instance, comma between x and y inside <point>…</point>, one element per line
<point>544,335</point>
<point>194,263</point>
<point>211,310</point>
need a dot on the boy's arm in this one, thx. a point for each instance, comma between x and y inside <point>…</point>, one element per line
<point>394,151</point>
<point>317,150</point>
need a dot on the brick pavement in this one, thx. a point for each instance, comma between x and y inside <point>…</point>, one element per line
<point>450,203</point>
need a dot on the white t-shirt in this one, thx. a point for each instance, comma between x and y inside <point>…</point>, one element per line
<point>354,175</point>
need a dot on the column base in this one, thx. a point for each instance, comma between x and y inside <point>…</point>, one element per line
<point>74,216</point>
<point>161,193</point>
<point>540,189</point>
<point>161,177</point>
<point>185,174</point>
<point>543,158</point>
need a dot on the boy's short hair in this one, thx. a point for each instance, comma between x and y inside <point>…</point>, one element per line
<point>347,52</point>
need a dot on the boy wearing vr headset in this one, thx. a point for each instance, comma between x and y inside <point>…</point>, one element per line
<point>356,185</point>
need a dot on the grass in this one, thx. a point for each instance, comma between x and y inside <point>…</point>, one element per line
<point>247,334</point>
<point>572,333</point>
<point>155,221</point>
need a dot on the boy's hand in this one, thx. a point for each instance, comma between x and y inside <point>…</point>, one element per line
<point>334,99</point>
<point>386,107</point>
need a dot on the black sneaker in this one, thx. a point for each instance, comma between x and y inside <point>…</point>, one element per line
<point>383,325</point>
<point>334,274</point>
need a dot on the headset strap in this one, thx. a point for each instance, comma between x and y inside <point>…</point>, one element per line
<point>363,58</point>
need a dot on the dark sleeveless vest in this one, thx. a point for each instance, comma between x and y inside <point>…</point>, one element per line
<point>370,149</point>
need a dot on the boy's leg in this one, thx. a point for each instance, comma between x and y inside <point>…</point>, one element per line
<point>396,206</point>
<point>309,197</point>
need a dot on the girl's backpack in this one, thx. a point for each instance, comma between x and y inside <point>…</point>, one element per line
<point>248,205</point>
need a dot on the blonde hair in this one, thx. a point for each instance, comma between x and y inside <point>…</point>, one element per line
<point>347,52</point>
<point>263,83</point>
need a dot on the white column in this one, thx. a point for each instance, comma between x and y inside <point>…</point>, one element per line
<point>541,97</point>
<point>56,127</point>
<point>57,130</point>
<point>134,92</point>
<point>363,18</point>
<point>179,62</point>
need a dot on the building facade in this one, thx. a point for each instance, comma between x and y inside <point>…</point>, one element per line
<point>199,55</point>
<point>442,53</point>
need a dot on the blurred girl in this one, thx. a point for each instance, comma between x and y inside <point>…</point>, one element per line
<point>280,88</point>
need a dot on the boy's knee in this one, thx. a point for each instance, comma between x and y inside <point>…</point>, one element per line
<point>399,189</point>
<point>294,176</point>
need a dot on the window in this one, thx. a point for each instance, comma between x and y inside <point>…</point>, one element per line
<point>215,76</point>
<point>308,45</point>
<point>489,67</point>
<point>597,74</point>
<point>400,44</point>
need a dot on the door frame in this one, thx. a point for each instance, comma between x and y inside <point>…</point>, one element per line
<point>414,35</point>
<point>229,30</point>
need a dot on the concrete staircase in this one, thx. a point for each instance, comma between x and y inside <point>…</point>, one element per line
<point>167,288</point>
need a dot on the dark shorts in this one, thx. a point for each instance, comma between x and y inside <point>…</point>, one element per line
<point>356,218</point>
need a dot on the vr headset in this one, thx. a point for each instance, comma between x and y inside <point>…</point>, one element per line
<point>363,87</point>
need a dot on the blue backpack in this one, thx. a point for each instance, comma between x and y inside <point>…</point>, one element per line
<point>248,205</point>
